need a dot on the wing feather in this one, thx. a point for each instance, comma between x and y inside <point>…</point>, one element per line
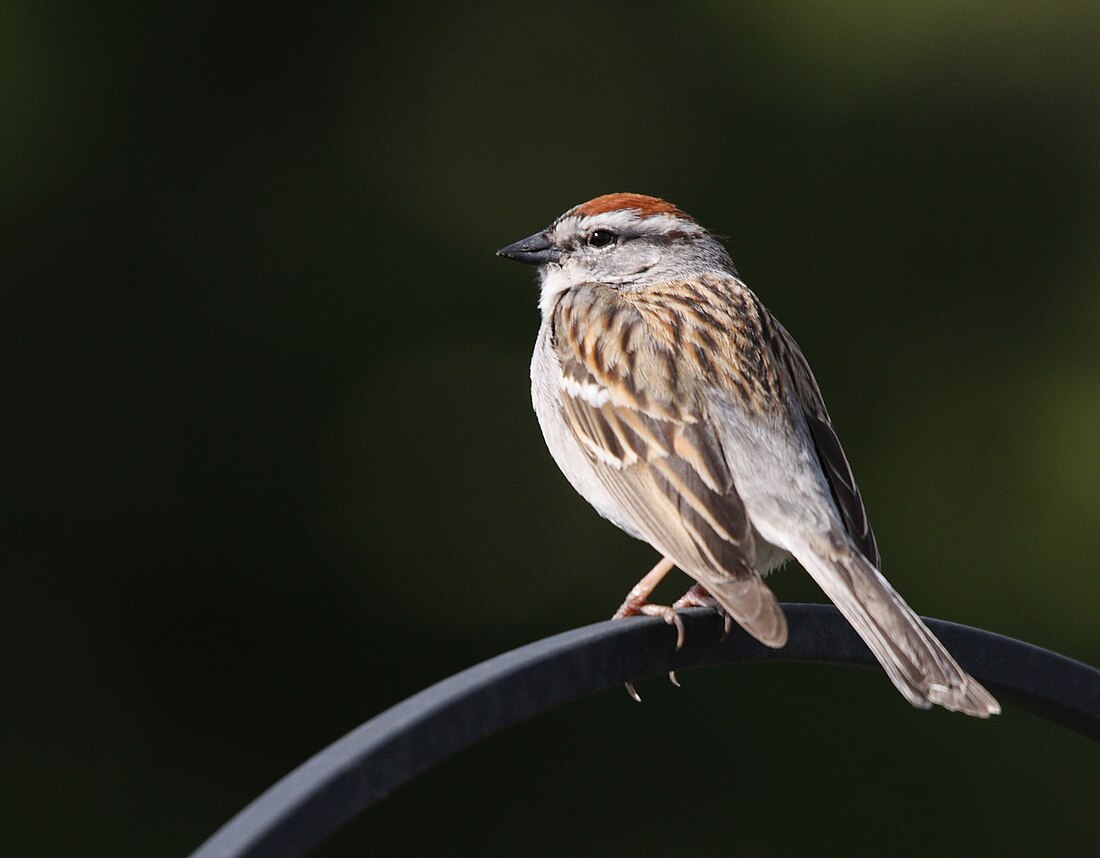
<point>662,463</point>
<point>834,464</point>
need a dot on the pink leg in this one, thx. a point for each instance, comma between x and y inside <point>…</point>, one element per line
<point>636,601</point>
<point>640,592</point>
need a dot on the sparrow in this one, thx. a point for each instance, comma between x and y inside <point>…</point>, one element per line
<point>679,408</point>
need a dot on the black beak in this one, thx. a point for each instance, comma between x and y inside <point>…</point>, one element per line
<point>536,249</point>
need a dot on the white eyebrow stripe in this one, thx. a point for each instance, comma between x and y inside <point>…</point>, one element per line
<point>593,394</point>
<point>629,219</point>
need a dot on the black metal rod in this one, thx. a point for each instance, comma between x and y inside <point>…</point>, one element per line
<point>351,774</point>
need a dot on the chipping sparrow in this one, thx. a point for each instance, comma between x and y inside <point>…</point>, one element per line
<point>686,415</point>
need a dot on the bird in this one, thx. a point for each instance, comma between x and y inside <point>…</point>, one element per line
<point>684,413</point>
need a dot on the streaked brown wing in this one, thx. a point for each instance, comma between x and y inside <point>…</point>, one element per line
<point>661,463</point>
<point>834,463</point>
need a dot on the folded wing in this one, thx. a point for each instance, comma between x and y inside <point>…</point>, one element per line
<point>623,396</point>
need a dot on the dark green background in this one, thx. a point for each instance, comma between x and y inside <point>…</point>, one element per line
<point>270,465</point>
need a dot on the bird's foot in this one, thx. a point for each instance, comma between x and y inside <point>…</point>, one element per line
<point>637,604</point>
<point>665,612</point>
<point>637,601</point>
<point>698,597</point>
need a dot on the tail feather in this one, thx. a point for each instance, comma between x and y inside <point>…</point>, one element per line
<point>914,659</point>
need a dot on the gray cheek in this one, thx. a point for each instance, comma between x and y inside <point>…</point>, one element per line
<point>645,261</point>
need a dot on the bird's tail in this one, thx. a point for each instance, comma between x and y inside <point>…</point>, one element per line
<point>914,659</point>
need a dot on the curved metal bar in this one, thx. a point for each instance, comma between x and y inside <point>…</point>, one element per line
<point>369,762</point>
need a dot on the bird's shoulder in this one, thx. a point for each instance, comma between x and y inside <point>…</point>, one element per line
<point>674,342</point>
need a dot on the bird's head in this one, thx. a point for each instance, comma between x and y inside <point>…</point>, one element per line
<point>627,241</point>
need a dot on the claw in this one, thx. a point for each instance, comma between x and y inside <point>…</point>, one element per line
<point>674,679</point>
<point>674,619</point>
<point>698,597</point>
<point>632,691</point>
<point>670,616</point>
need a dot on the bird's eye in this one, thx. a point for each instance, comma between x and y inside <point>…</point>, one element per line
<point>602,238</point>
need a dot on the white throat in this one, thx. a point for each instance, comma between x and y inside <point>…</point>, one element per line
<point>552,281</point>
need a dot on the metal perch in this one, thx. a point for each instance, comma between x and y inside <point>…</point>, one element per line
<point>371,761</point>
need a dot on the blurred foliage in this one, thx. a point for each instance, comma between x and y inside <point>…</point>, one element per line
<point>270,464</point>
